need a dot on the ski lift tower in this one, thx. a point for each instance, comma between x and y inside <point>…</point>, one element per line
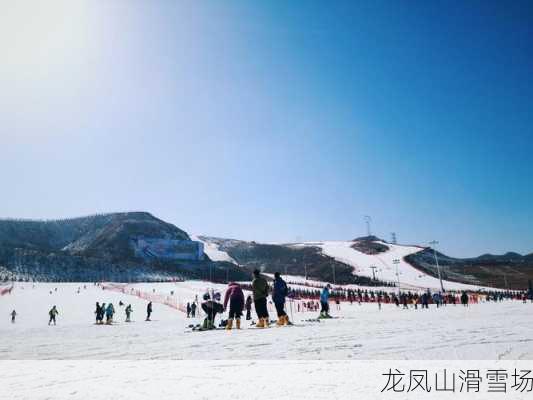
<point>373,268</point>
<point>397,262</point>
<point>434,243</point>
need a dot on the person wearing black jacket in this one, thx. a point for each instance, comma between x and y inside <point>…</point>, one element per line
<point>148,311</point>
<point>279,292</point>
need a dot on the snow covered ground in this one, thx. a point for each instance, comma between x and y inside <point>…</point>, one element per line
<point>481,331</point>
<point>241,380</point>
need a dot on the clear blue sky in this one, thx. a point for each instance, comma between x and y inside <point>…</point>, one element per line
<point>275,121</point>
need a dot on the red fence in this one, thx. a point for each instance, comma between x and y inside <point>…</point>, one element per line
<point>170,301</point>
<point>6,290</point>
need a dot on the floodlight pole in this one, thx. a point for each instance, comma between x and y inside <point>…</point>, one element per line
<point>434,243</point>
<point>397,262</point>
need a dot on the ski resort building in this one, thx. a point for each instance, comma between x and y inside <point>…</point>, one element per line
<point>169,249</point>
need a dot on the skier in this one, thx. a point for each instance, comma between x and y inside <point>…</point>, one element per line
<point>53,313</point>
<point>279,292</point>
<point>128,311</point>
<point>148,311</point>
<point>13,315</point>
<point>235,297</point>
<point>211,309</point>
<point>98,313</point>
<point>324,299</point>
<point>102,313</point>
<point>109,312</point>
<point>260,292</point>
<point>464,299</point>
<point>193,310</point>
<point>248,308</point>
<point>188,310</point>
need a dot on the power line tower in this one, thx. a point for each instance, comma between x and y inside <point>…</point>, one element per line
<point>393,238</point>
<point>368,220</point>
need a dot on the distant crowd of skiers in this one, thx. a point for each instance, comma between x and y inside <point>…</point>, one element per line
<point>109,312</point>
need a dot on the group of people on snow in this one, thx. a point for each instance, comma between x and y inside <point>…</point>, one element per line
<point>103,310</point>
<point>109,311</point>
<point>235,303</point>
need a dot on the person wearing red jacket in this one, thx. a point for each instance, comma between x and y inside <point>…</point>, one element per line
<point>235,297</point>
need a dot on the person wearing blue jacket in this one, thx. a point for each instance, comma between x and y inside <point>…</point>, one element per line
<point>109,312</point>
<point>279,292</point>
<point>324,302</point>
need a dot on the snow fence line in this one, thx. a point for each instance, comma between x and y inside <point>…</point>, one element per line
<point>6,290</point>
<point>293,305</point>
<point>155,298</point>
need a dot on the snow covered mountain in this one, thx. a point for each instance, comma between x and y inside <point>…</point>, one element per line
<point>130,246</point>
<point>370,260</point>
<point>137,246</point>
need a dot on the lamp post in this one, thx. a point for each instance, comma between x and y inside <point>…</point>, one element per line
<point>397,262</point>
<point>434,243</point>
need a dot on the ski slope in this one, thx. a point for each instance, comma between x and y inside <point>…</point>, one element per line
<point>410,277</point>
<point>481,331</point>
<point>213,252</point>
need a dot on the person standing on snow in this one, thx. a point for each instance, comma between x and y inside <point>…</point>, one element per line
<point>109,312</point>
<point>188,310</point>
<point>13,316</point>
<point>148,311</point>
<point>235,297</point>
<point>211,309</point>
<point>464,299</point>
<point>98,314</point>
<point>193,310</point>
<point>248,308</point>
<point>128,311</point>
<point>324,302</point>
<point>53,313</point>
<point>279,292</point>
<point>260,292</point>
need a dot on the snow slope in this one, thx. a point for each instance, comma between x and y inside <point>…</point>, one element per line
<point>213,252</point>
<point>481,331</point>
<point>410,277</point>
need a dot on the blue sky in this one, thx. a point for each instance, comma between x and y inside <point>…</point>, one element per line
<point>275,121</point>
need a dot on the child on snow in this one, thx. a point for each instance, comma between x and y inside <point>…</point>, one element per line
<point>211,309</point>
